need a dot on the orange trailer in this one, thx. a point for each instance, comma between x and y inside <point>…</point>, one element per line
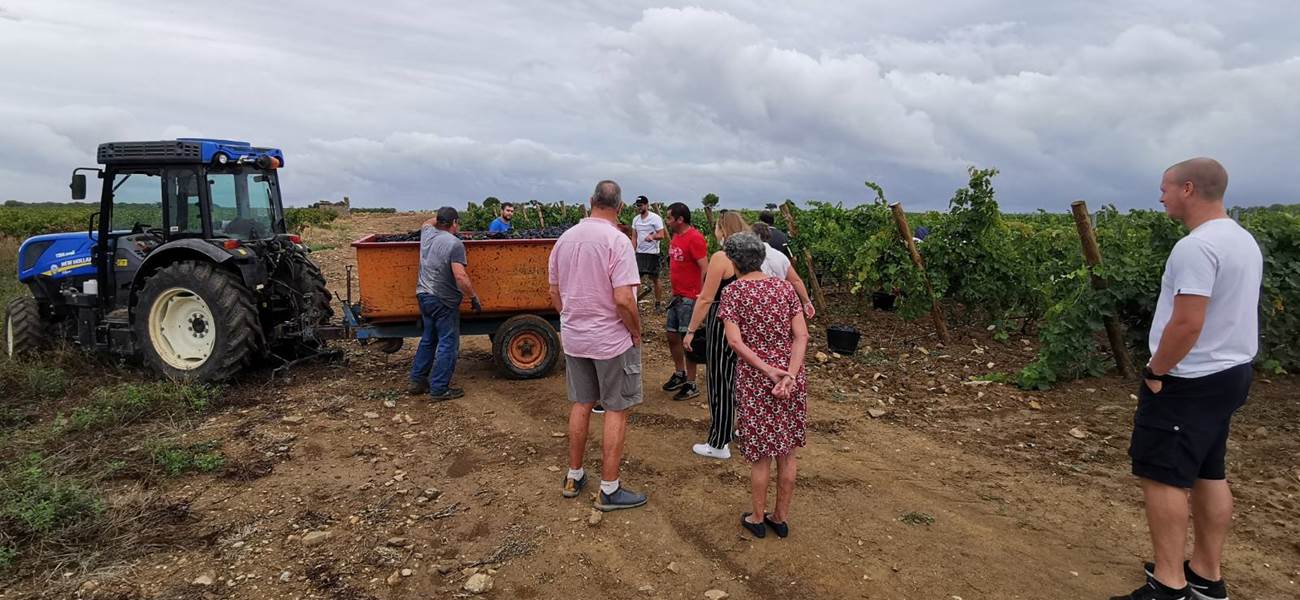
<point>509,276</point>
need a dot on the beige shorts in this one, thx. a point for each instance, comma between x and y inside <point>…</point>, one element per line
<point>614,382</point>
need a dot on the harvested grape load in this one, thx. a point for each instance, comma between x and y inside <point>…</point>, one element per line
<point>544,233</point>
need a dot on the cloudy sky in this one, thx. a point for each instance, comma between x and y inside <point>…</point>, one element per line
<point>416,104</point>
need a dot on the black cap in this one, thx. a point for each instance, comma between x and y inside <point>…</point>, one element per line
<point>642,200</point>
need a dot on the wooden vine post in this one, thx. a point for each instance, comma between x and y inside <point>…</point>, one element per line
<point>807,258</point>
<point>1092,256</point>
<point>708,217</point>
<point>541,216</point>
<point>905,232</point>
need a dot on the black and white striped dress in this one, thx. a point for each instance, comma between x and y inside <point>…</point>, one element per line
<point>721,370</point>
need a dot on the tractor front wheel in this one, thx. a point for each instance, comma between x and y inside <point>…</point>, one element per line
<point>196,322</point>
<point>22,326</point>
<point>525,347</point>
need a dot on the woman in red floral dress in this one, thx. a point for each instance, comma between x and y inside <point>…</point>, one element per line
<point>765,326</point>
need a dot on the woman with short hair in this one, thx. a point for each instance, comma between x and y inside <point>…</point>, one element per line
<point>764,324</point>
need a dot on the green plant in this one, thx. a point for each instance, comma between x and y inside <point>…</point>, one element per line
<point>126,402</point>
<point>296,219</point>
<point>177,460</point>
<point>35,501</point>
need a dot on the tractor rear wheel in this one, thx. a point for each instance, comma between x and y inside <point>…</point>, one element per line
<point>22,326</point>
<point>309,282</point>
<point>525,347</point>
<point>196,322</point>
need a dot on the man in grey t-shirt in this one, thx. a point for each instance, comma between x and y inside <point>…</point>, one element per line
<point>443,284</point>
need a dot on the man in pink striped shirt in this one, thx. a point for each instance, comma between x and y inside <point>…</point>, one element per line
<point>593,279</point>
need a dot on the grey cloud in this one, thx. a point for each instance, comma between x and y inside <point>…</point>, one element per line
<point>408,104</point>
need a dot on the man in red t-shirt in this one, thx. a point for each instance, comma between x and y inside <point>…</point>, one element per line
<point>688,256</point>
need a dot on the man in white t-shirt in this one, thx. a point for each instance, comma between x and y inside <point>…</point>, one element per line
<point>1203,342</point>
<point>776,264</point>
<point>649,229</point>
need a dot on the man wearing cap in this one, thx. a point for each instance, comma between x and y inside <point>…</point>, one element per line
<point>649,228</point>
<point>442,285</point>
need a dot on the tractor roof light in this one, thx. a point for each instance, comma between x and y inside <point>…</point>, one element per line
<point>221,158</point>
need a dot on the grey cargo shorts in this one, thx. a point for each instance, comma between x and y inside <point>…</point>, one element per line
<point>614,382</point>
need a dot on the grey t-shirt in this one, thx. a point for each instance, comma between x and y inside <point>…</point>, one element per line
<point>438,249</point>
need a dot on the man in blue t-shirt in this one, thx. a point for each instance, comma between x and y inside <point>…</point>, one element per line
<point>501,224</point>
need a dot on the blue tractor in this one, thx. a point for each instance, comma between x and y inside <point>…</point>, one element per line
<point>186,266</point>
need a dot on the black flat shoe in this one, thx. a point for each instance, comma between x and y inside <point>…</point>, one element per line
<point>781,529</point>
<point>758,529</point>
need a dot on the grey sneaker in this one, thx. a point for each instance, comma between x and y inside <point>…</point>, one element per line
<point>620,499</point>
<point>686,392</point>
<point>573,487</point>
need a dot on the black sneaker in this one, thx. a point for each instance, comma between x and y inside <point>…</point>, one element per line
<point>1153,590</point>
<point>598,409</point>
<point>1202,588</point>
<point>447,394</point>
<point>675,382</point>
<point>688,390</point>
<point>417,387</point>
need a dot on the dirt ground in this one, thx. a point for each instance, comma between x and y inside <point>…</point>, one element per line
<point>914,484</point>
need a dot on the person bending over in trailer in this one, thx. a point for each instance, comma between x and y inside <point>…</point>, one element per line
<point>593,282</point>
<point>442,286</point>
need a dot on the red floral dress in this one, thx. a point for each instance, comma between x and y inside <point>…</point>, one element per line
<point>766,425</point>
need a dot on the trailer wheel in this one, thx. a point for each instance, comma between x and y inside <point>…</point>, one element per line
<point>388,345</point>
<point>196,322</point>
<point>525,347</point>
<point>22,326</point>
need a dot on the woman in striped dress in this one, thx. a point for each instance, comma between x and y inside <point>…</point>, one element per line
<point>721,363</point>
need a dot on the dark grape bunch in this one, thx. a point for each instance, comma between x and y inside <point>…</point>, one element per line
<point>545,233</point>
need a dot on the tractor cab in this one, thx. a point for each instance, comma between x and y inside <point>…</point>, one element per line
<point>187,262</point>
<point>213,197</point>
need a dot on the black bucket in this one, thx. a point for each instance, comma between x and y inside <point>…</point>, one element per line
<point>883,301</point>
<point>842,339</point>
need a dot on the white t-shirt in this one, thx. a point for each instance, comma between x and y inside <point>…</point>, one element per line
<point>643,227</point>
<point>1219,260</point>
<point>775,264</point>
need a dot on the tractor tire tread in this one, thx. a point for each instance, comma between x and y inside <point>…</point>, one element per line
<point>25,316</point>
<point>241,333</point>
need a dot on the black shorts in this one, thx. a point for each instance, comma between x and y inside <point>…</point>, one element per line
<point>1181,434</point>
<point>647,264</point>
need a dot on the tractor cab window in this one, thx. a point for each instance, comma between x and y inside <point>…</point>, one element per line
<point>137,202</point>
<point>243,204</point>
<point>183,204</point>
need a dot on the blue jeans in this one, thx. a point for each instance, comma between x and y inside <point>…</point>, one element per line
<point>435,359</point>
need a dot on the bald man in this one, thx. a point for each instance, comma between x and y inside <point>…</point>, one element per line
<point>1203,340</point>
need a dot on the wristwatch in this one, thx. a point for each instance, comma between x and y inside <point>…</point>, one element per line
<point>1147,373</point>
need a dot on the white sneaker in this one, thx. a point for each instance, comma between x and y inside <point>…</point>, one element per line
<point>706,450</point>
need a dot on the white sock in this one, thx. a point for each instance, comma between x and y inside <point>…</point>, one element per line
<point>608,487</point>
<point>577,474</point>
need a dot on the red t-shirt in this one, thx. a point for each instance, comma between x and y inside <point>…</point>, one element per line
<point>684,272</point>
